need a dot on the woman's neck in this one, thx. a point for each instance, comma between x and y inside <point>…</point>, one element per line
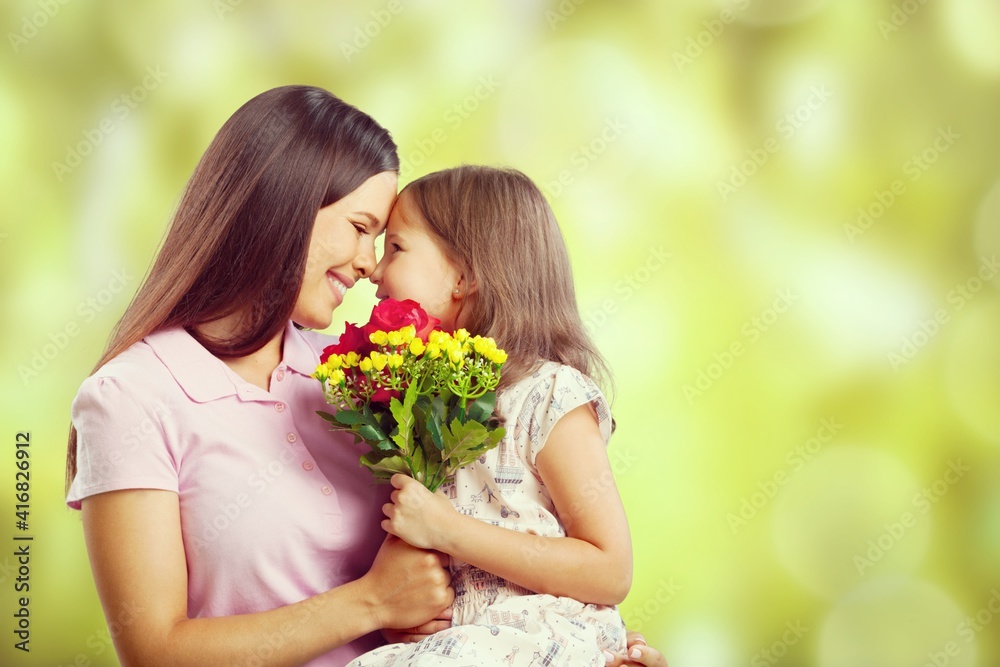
<point>256,367</point>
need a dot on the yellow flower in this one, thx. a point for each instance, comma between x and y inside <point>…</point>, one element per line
<point>379,337</point>
<point>337,377</point>
<point>351,359</point>
<point>455,354</point>
<point>483,345</point>
<point>395,338</point>
<point>379,360</point>
<point>395,360</point>
<point>499,357</point>
<point>320,372</point>
<point>409,333</point>
<point>433,350</point>
<point>439,337</point>
<point>461,335</point>
<point>417,347</point>
<point>365,364</point>
<point>334,362</point>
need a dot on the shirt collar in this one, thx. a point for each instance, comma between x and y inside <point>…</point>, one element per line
<point>204,377</point>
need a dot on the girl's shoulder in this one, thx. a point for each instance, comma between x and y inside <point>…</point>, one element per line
<point>550,391</point>
<point>547,373</point>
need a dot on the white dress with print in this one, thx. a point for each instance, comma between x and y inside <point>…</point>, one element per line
<point>497,622</point>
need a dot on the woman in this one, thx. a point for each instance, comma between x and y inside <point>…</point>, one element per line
<point>222,525</point>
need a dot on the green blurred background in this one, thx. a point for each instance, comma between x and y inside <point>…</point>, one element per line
<point>784,218</point>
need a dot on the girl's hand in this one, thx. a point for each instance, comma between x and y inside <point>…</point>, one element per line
<point>417,515</point>
<point>638,654</point>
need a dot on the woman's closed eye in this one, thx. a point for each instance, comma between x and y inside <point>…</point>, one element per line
<point>361,229</point>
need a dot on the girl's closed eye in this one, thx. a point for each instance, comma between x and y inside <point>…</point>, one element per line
<point>361,229</point>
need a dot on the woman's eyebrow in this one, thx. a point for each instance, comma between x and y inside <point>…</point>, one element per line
<point>371,219</point>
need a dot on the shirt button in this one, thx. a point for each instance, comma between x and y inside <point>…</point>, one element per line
<point>291,437</point>
<point>308,465</point>
<point>326,490</point>
<point>281,374</point>
<point>280,407</point>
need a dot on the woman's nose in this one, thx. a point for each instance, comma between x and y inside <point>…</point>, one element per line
<point>364,263</point>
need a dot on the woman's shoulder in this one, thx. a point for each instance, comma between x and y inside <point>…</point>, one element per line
<point>317,340</point>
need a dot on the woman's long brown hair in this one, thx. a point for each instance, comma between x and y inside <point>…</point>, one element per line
<point>239,239</point>
<point>497,227</point>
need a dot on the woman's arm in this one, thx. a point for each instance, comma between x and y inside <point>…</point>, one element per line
<point>593,563</point>
<point>137,556</point>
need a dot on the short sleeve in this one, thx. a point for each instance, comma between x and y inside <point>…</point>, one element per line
<point>558,390</point>
<point>120,442</point>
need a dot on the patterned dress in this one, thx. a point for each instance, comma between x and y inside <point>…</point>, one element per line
<point>495,621</point>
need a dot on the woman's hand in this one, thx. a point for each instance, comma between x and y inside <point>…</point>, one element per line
<point>415,514</point>
<point>410,635</point>
<point>409,586</point>
<point>638,653</point>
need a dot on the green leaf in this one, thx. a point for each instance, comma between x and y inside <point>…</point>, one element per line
<point>435,419</point>
<point>481,409</point>
<point>403,414</point>
<point>349,417</point>
<point>387,467</point>
<point>459,438</point>
<point>371,433</point>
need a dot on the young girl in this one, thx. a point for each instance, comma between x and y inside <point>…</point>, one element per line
<point>536,529</point>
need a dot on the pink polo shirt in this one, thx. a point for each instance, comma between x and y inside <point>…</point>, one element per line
<point>274,507</point>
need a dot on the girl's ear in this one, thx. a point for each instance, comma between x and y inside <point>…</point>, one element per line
<point>464,288</point>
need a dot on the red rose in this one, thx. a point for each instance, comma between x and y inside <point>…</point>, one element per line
<point>354,339</point>
<point>392,315</point>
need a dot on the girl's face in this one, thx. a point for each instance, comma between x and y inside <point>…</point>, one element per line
<point>415,267</point>
<point>342,249</point>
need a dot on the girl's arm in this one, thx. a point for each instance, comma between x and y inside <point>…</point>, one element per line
<point>593,563</point>
<point>137,556</point>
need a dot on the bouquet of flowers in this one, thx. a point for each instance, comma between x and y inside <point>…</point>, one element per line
<point>421,398</point>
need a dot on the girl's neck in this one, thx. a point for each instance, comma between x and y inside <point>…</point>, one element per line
<point>257,367</point>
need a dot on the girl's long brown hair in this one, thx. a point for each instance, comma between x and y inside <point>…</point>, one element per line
<point>239,239</point>
<point>496,225</point>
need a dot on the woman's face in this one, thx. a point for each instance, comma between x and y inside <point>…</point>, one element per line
<point>342,249</point>
<point>414,266</point>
